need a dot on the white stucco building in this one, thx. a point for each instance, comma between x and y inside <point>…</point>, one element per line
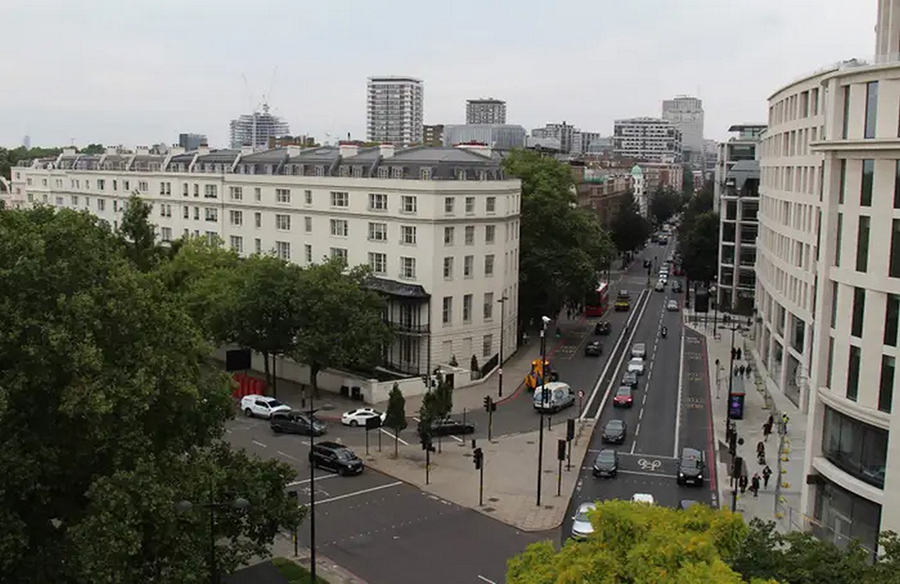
<point>438,226</point>
<point>828,272</point>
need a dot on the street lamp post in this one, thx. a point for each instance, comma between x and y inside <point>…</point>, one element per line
<point>312,493</point>
<point>212,506</point>
<point>545,321</point>
<point>502,302</point>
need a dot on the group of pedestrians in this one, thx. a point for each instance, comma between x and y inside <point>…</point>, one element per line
<point>742,370</point>
<point>762,477</point>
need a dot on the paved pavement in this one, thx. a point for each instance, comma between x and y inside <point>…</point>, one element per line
<point>756,412</point>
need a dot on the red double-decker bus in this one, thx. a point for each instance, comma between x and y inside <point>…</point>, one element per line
<point>597,301</point>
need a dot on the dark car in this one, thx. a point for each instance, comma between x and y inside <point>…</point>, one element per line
<point>593,349</point>
<point>602,328</point>
<point>624,397</point>
<point>676,286</point>
<point>614,432</point>
<point>450,427</point>
<point>296,423</point>
<point>335,457</point>
<point>691,466</point>
<point>606,464</point>
<point>630,379</point>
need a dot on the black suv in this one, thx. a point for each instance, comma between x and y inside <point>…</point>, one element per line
<point>335,457</point>
<point>296,423</point>
<point>451,427</point>
<point>691,466</point>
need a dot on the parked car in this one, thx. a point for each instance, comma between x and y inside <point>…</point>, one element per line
<point>606,464</point>
<point>581,523</point>
<point>645,498</point>
<point>593,349</point>
<point>451,427</point>
<point>335,457</point>
<point>296,423</point>
<point>559,396</point>
<point>676,287</point>
<point>260,406</point>
<point>636,365</point>
<point>691,466</point>
<point>660,286</point>
<point>602,328</point>
<point>359,416</point>
<point>624,397</point>
<point>672,306</point>
<point>639,350</point>
<point>614,432</point>
<point>630,379</point>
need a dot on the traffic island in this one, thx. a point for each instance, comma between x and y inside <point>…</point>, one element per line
<point>510,474</point>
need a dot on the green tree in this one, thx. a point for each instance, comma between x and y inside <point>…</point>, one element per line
<point>104,403</point>
<point>687,181</point>
<point>699,246</point>
<point>630,229</point>
<point>11,157</point>
<point>562,247</point>
<point>443,398</point>
<point>93,149</point>
<point>639,544</point>
<point>664,203</point>
<point>427,416</point>
<point>342,322</point>
<point>139,235</point>
<point>395,416</point>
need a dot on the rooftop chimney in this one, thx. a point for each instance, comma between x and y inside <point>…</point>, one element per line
<point>68,152</point>
<point>111,150</point>
<point>347,149</point>
<point>203,149</point>
<point>293,150</point>
<point>246,149</point>
<point>386,150</point>
<point>142,150</point>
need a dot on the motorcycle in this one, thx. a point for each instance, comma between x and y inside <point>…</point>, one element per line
<point>663,332</point>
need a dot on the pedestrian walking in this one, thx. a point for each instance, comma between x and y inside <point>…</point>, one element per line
<point>748,370</point>
<point>771,422</point>
<point>741,370</point>
<point>767,429</point>
<point>784,422</point>
<point>754,485</point>
<point>767,472</point>
<point>569,313</point>
<point>761,452</point>
<point>742,482</point>
<point>738,354</point>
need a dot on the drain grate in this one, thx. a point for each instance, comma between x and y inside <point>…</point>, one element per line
<point>548,506</point>
<point>493,499</point>
<point>489,509</point>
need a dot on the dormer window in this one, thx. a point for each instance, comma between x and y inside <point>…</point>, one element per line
<point>397,172</point>
<point>345,171</point>
<point>425,174</point>
<point>460,174</point>
<point>383,172</point>
<point>357,171</point>
<point>320,171</point>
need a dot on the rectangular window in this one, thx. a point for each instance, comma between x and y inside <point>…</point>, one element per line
<point>448,205</point>
<point>862,244</point>
<point>891,319</point>
<point>448,236</point>
<point>470,235</point>
<point>886,388</point>
<point>834,303</point>
<point>257,219</point>
<point>845,123</point>
<point>377,231</point>
<point>897,185</point>
<point>187,212</point>
<point>377,202</point>
<point>842,188</point>
<point>101,185</point>
<point>210,192</point>
<point>868,175</point>
<point>830,363</point>
<point>468,265</point>
<point>237,243</point>
<point>894,267</point>
<point>839,236</point>
<point>853,373</point>
<point>408,204</point>
<point>236,193</point>
<point>75,201</point>
<point>307,197</point>
<point>448,268</point>
<point>143,186</point>
<point>447,310</point>
<point>282,195</point>
<point>339,253</point>
<point>185,191</point>
<point>490,234</point>
<point>487,345</point>
<point>196,189</point>
<point>490,205</point>
<point>340,199</point>
<point>211,215</point>
<point>408,268</point>
<point>488,309</point>
<point>236,217</point>
<point>307,252</point>
<point>470,205</point>
<point>257,194</point>
<point>408,234</point>
<point>859,312</point>
<point>307,224</point>
<point>871,109</point>
<point>257,245</point>
<point>378,263</point>
<point>166,234</point>
<point>283,250</point>
<point>489,265</point>
<point>283,222</point>
<point>467,308</point>
<point>339,227</point>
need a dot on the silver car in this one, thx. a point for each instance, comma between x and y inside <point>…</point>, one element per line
<point>581,523</point>
<point>636,365</point>
<point>639,350</point>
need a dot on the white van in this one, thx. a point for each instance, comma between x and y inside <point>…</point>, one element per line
<point>559,396</point>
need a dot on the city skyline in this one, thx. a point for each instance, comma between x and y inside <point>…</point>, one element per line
<point>152,90</point>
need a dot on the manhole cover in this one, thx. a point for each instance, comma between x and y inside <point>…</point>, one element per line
<point>489,509</point>
<point>548,471</point>
<point>548,506</point>
<point>530,442</point>
<point>493,499</point>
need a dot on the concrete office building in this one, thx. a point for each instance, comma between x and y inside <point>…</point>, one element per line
<point>191,141</point>
<point>828,275</point>
<point>439,227</point>
<point>485,111</point>
<point>686,114</point>
<point>256,129</point>
<point>395,110</point>
<point>433,135</point>
<point>496,136</point>
<point>647,139</point>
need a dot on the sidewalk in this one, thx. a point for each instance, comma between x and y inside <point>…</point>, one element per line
<point>762,399</point>
<point>510,475</point>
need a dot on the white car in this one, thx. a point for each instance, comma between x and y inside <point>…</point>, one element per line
<point>636,365</point>
<point>359,416</point>
<point>261,406</point>
<point>645,498</point>
<point>581,523</point>
<point>672,306</point>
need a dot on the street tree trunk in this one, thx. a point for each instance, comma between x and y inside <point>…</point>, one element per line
<point>274,376</point>
<point>396,444</point>
<point>314,378</point>
<point>266,368</point>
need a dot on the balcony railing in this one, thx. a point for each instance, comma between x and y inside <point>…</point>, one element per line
<point>403,327</point>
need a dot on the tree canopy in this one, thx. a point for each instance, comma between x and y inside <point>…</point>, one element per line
<point>630,229</point>
<point>110,418</point>
<point>562,247</point>
<point>664,204</point>
<point>698,236</point>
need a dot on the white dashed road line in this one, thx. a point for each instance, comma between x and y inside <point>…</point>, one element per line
<point>288,456</point>
<point>483,579</point>
<point>399,439</point>
<point>258,443</point>
<point>362,492</point>
<point>646,474</point>
<point>321,478</point>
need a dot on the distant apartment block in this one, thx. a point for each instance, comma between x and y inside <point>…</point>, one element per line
<point>571,139</point>
<point>433,134</point>
<point>256,129</point>
<point>395,110</point>
<point>741,146</point>
<point>485,111</point>
<point>686,114</point>
<point>496,136</point>
<point>191,141</point>
<point>647,139</point>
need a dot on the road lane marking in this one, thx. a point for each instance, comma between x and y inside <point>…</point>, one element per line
<point>647,474</point>
<point>634,443</point>
<point>483,579</point>
<point>649,464</point>
<point>258,443</point>
<point>362,492</point>
<point>457,438</point>
<point>321,478</point>
<point>641,415</point>
<point>416,419</point>
<point>288,456</point>
<point>392,435</point>
<point>678,403</point>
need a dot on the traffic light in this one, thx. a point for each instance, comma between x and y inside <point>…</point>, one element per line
<point>732,443</point>
<point>426,443</point>
<point>560,449</point>
<point>488,403</point>
<point>545,394</point>
<point>737,467</point>
<point>478,458</point>
<point>570,429</point>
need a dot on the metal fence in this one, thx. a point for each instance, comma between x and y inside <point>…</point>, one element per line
<point>790,519</point>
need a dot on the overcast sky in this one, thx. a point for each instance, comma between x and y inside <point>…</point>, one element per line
<point>137,72</point>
